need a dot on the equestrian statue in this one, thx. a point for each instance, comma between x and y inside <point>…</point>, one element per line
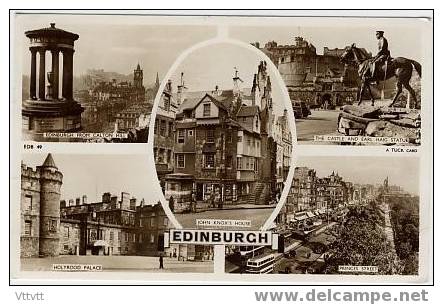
<point>381,68</point>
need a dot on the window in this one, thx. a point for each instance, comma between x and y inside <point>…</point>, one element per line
<point>152,222</point>
<point>171,128</point>
<point>190,133</point>
<point>180,160</point>
<point>28,203</point>
<point>162,128</point>
<point>239,163</point>
<point>53,225</point>
<point>207,109</point>
<point>210,137</point>
<point>209,161</point>
<point>181,136</point>
<point>28,227</point>
<point>239,139</point>
<point>156,127</point>
<point>244,119</point>
<point>66,232</point>
<point>111,235</point>
<point>256,122</point>
<point>151,238</point>
<point>65,247</point>
<point>119,236</point>
<point>228,161</point>
<point>165,221</point>
<point>229,136</point>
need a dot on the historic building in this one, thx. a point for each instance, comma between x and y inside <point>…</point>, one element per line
<point>117,225</point>
<point>112,105</point>
<point>318,80</point>
<point>48,109</point>
<point>40,210</point>
<point>224,145</point>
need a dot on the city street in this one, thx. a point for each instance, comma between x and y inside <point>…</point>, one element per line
<point>257,216</point>
<point>320,122</point>
<point>119,263</point>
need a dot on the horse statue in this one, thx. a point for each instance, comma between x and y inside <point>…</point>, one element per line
<point>399,67</point>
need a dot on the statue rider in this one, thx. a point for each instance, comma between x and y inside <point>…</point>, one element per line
<point>383,53</point>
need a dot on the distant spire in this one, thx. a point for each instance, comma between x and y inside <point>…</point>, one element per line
<point>138,66</point>
<point>49,162</point>
<point>157,81</point>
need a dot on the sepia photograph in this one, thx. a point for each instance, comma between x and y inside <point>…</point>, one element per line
<point>358,217</point>
<point>85,210</point>
<point>223,137</point>
<point>89,82</point>
<point>345,82</point>
<point>155,148</point>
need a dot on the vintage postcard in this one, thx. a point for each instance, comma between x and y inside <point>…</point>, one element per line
<point>151,148</point>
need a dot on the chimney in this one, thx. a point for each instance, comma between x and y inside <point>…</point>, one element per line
<point>113,202</point>
<point>62,203</point>
<point>106,197</point>
<point>125,201</point>
<point>71,202</point>
<point>77,201</point>
<point>132,203</point>
<point>84,199</point>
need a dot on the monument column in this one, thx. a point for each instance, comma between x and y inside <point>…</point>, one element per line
<point>55,71</point>
<point>67,73</point>
<point>41,75</point>
<point>32,85</point>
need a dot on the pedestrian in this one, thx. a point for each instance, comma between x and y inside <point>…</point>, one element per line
<point>160,260</point>
<point>212,200</point>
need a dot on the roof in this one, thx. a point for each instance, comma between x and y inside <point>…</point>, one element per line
<point>246,111</point>
<point>51,31</point>
<point>49,162</point>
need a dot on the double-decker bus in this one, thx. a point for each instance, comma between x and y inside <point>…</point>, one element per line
<point>263,263</point>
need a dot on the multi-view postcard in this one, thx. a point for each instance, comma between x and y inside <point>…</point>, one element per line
<point>214,149</point>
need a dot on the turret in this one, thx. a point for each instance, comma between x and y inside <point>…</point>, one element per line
<point>51,180</point>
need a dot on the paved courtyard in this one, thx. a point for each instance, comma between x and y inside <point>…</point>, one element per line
<point>119,263</point>
<point>320,122</point>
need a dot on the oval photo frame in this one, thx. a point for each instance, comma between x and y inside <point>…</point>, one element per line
<point>286,104</point>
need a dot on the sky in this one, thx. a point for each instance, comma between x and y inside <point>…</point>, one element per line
<point>119,46</point>
<point>214,65</point>
<point>404,40</point>
<point>95,174</point>
<point>402,171</point>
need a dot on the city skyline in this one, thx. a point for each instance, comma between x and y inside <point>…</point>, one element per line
<point>368,170</point>
<point>118,47</point>
<point>94,174</point>
<point>337,37</point>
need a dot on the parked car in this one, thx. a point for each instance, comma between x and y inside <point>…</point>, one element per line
<point>298,110</point>
<point>305,109</point>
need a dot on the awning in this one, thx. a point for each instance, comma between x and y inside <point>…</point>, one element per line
<point>100,243</point>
